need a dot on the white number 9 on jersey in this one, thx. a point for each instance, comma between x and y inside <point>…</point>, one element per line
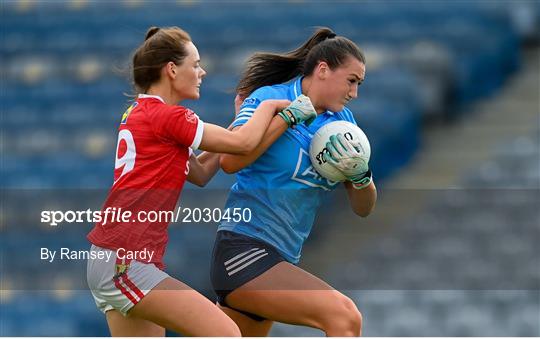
<point>128,159</point>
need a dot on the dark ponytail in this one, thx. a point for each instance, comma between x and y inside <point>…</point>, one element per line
<point>264,69</point>
<point>151,31</point>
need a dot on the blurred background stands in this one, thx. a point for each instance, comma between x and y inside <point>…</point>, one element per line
<point>429,65</point>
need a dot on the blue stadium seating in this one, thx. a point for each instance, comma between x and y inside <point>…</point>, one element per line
<point>58,133</point>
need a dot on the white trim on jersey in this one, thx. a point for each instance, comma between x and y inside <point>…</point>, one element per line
<point>244,115</point>
<point>246,110</point>
<point>297,84</point>
<point>198,135</point>
<point>147,96</point>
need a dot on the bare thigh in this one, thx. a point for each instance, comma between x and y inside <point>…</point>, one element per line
<point>121,326</point>
<point>175,306</point>
<point>288,294</point>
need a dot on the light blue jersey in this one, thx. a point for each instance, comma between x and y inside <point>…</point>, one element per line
<point>281,188</point>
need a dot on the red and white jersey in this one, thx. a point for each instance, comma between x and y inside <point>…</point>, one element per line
<point>152,162</point>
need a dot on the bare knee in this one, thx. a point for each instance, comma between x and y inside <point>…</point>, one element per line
<point>231,330</point>
<point>344,319</point>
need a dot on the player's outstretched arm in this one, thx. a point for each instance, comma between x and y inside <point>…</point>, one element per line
<point>244,140</point>
<point>232,163</point>
<point>300,110</point>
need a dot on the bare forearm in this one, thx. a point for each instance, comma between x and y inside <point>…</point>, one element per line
<point>244,140</point>
<point>232,163</point>
<point>362,201</point>
<point>256,127</point>
<point>210,163</point>
<point>207,156</point>
<point>203,168</point>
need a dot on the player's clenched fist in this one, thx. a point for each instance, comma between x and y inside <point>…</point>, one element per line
<point>345,155</point>
<point>300,110</point>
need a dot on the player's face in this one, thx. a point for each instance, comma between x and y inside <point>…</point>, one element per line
<point>341,84</point>
<point>189,74</point>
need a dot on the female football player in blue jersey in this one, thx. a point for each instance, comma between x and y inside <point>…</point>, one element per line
<point>254,270</point>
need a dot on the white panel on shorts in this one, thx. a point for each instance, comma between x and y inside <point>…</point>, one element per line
<point>107,295</point>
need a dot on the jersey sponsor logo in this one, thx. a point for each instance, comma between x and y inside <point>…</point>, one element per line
<point>191,117</point>
<point>125,116</point>
<point>251,101</point>
<point>306,174</point>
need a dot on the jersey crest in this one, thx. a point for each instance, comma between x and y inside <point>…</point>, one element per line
<point>191,117</point>
<point>125,116</point>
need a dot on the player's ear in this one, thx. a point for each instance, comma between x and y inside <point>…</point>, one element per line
<point>322,70</point>
<point>170,69</point>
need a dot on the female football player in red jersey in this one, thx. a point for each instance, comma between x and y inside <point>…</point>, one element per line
<point>153,159</point>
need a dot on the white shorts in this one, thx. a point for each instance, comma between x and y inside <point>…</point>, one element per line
<point>120,284</point>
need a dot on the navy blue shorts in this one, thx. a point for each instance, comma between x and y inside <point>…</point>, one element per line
<point>237,259</point>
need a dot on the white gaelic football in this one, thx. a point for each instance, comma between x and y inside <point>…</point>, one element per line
<point>318,147</point>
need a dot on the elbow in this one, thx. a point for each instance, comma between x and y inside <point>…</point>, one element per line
<point>227,165</point>
<point>200,182</point>
<point>229,169</point>
<point>200,178</point>
<point>364,213</point>
<point>203,182</point>
<point>364,210</point>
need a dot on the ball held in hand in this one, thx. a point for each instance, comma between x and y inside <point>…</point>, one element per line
<point>318,147</point>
